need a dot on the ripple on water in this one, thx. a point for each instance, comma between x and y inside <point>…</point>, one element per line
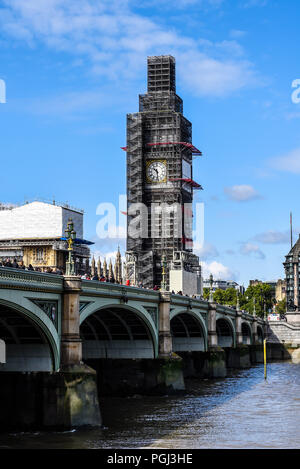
<point>241,411</point>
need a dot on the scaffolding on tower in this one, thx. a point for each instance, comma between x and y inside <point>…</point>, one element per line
<point>159,131</point>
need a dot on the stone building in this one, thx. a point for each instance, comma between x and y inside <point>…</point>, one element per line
<point>280,290</point>
<point>223,285</point>
<point>113,271</point>
<point>118,267</point>
<point>291,266</point>
<point>34,233</point>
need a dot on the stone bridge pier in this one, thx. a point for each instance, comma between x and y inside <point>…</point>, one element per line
<point>30,396</point>
<point>74,386</point>
<point>234,340</point>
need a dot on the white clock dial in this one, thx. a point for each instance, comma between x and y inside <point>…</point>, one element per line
<point>156,171</point>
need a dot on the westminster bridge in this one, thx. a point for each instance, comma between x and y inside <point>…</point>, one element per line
<point>57,330</point>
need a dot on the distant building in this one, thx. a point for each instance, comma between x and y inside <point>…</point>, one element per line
<point>280,291</point>
<point>34,233</point>
<point>291,266</point>
<point>278,287</point>
<point>223,285</point>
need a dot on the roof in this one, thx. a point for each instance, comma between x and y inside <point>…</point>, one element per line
<point>79,241</point>
<point>295,251</point>
<point>65,205</point>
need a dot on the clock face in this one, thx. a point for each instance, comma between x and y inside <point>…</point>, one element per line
<point>156,171</point>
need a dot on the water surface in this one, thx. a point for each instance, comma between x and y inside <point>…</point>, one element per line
<point>240,411</point>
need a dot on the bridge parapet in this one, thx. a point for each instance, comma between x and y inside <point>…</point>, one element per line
<point>19,278</point>
<point>103,289</point>
<point>179,300</point>
<point>222,309</point>
<point>248,317</point>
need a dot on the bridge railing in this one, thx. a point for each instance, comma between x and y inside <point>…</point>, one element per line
<point>95,287</point>
<point>19,277</point>
<point>189,302</point>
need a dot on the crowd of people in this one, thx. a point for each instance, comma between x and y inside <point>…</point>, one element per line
<point>20,265</point>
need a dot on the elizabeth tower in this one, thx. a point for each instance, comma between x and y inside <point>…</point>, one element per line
<point>159,174</point>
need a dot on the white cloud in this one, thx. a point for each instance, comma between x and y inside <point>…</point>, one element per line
<point>255,3</point>
<point>206,75</point>
<point>237,33</point>
<point>180,4</point>
<point>70,103</point>
<point>292,115</point>
<point>289,162</point>
<point>219,271</point>
<point>272,237</point>
<point>249,249</point>
<point>206,251</point>
<point>113,41</point>
<point>242,193</point>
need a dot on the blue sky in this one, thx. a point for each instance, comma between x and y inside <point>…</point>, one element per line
<point>74,68</point>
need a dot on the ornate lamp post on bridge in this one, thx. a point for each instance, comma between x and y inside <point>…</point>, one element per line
<point>211,281</point>
<point>237,301</point>
<point>71,236</point>
<point>164,265</point>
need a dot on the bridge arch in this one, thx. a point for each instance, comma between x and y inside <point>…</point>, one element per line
<point>246,333</point>
<point>117,331</point>
<point>260,334</point>
<point>30,340</point>
<point>189,332</point>
<point>225,332</point>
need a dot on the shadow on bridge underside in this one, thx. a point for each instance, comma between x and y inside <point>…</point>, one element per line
<point>225,333</point>
<point>187,333</point>
<point>246,333</point>
<point>260,334</point>
<point>27,348</point>
<point>116,333</point>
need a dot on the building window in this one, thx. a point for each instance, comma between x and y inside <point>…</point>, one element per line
<point>39,254</point>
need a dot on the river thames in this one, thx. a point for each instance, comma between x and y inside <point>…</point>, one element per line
<point>240,411</point>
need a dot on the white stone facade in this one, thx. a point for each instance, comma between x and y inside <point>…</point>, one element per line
<point>283,332</point>
<point>38,220</point>
<point>187,282</point>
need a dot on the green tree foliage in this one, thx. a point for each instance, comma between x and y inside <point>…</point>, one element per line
<point>262,293</point>
<point>222,297</point>
<point>281,307</point>
<point>206,293</point>
<point>263,296</point>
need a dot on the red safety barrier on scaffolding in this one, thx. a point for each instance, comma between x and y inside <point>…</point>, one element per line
<point>194,184</point>
<point>194,150</point>
<point>188,242</point>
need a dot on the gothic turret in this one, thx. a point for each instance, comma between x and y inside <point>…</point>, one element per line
<point>99,267</point>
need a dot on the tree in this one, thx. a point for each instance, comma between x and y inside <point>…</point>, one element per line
<point>219,296</point>
<point>206,293</point>
<point>262,293</point>
<point>281,306</point>
<point>263,299</point>
<point>230,296</point>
